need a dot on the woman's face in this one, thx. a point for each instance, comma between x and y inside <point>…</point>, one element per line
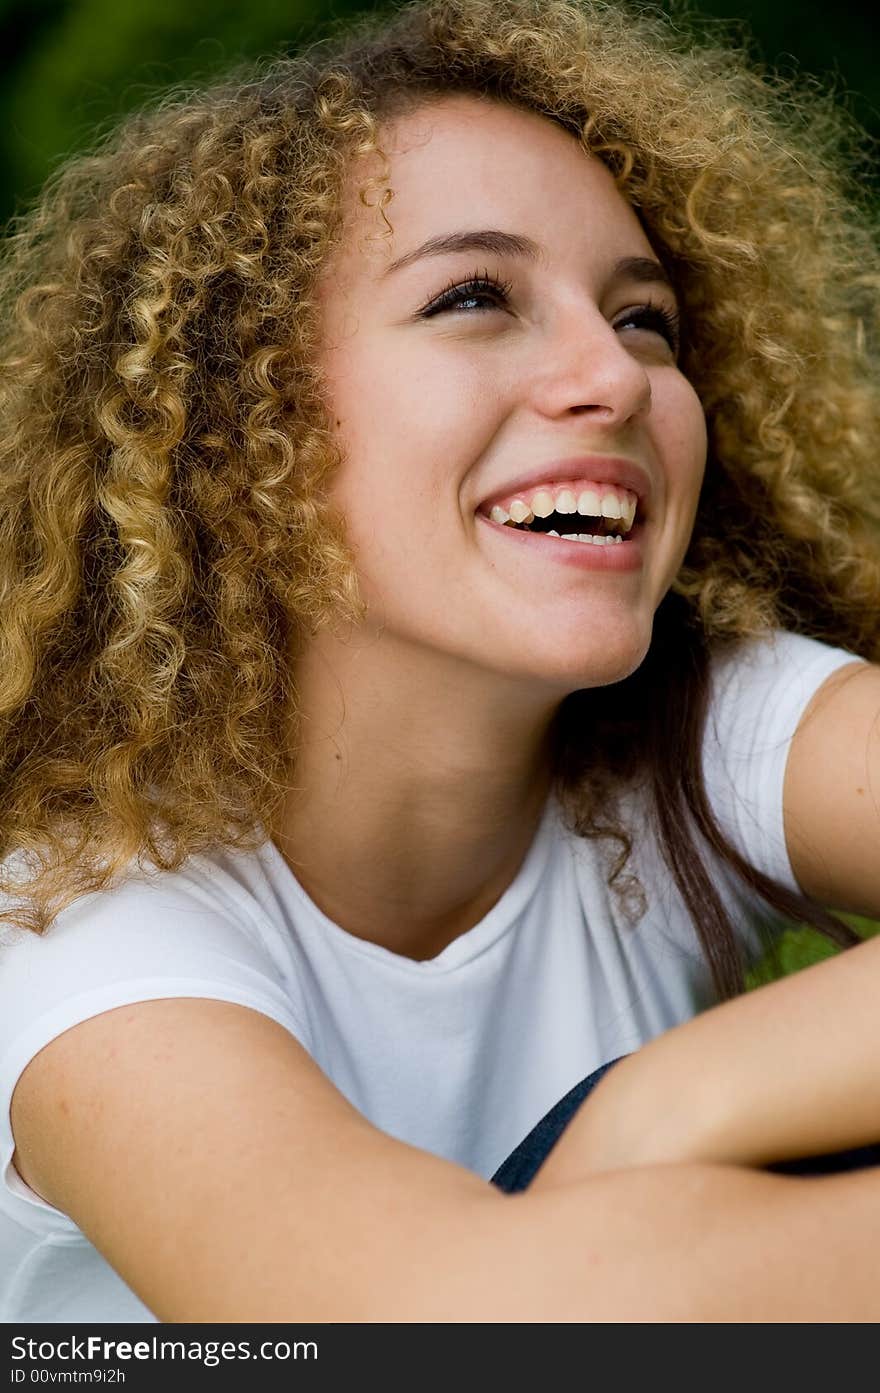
<point>447,407</point>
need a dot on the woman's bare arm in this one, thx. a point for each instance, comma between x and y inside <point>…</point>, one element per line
<point>205,1154</point>
<point>830,794</point>
<point>789,1070</point>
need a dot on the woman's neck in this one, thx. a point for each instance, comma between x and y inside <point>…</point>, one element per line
<point>416,795</point>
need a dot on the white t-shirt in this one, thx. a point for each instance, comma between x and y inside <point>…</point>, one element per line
<point>460,1055</point>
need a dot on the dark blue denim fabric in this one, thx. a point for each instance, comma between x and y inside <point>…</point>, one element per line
<point>524,1162</point>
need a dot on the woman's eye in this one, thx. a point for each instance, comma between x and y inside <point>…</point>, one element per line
<point>484,292</point>
<point>479,293</point>
<point>655,318</point>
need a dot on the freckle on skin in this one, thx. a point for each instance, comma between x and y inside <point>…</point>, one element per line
<point>860,790</point>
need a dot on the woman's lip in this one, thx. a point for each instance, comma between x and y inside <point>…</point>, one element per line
<point>608,556</point>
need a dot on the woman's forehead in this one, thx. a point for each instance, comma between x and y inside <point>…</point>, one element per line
<point>467,161</point>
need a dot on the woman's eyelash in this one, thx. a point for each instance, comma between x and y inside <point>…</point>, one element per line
<point>476,286</point>
<point>661,318</point>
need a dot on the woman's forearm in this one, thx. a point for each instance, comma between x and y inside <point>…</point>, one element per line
<point>790,1070</point>
<point>707,1243</point>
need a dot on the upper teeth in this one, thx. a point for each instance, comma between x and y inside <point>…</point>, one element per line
<point>589,503</point>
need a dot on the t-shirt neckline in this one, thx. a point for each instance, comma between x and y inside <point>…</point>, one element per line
<point>468,945</point>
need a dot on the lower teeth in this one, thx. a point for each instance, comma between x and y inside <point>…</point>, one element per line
<point>586,537</point>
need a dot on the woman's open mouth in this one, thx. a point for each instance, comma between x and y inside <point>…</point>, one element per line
<point>589,542</point>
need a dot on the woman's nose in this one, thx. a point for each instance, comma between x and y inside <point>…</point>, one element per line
<point>589,370</point>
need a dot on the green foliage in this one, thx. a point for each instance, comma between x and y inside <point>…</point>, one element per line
<point>70,67</point>
<point>800,946</point>
<point>94,60</point>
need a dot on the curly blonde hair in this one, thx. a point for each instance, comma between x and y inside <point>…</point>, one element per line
<point>166,541</point>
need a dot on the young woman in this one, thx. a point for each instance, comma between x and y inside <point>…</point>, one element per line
<point>427,461</point>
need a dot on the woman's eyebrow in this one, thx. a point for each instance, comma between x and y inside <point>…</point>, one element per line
<point>497,243</point>
<point>490,240</point>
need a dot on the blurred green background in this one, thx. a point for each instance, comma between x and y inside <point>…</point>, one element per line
<point>70,66</point>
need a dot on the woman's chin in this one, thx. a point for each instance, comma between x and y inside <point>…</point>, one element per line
<point>596,667</point>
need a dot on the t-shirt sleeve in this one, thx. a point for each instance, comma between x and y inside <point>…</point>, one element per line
<point>146,939</point>
<point>760,690</point>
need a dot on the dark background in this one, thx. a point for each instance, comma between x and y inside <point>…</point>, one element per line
<point>69,66</point>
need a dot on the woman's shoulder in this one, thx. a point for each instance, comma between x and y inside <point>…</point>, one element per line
<point>201,930</point>
<point>760,688</point>
<point>774,657</point>
<point>209,896</point>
